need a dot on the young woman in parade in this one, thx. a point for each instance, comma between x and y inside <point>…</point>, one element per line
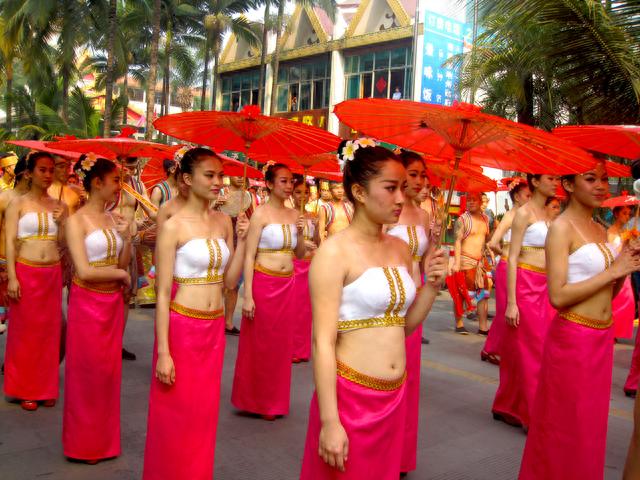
<point>413,229</point>
<point>197,255</point>
<point>528,312</point>
<point>262,379</point>
<point>364,306</point>
<point>34,287</point>
<point>99,243</point>
<point>567,435</point>
<point>302,323</point>
<point>624,308</point>
<point>520,194</point>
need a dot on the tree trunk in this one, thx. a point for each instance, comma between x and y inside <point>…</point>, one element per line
<point>125,96</point>
<point>167,69</point>
<point>525,108</point>
<point>205,76</point>
<point>276,58</point>
<point>153,69</point>
<point>65,94</point>
<point>111,43</point>
<point>9,96</point>
<point>216,77</point>
<point>263,55</point>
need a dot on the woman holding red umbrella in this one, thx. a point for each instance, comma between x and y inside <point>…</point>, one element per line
<point>413,229</point>
<point>33,238</point>
<point>262,380</point>
<point>568,430</point>
<point>528,312</point>
<point>197,256</point>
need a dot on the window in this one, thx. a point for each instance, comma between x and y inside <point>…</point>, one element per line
<point>381,74</point>
<point>240,89</point>
<point>304,85</point>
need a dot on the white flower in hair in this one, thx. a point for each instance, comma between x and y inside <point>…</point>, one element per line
<point>89,161</point>
<point>348,152</point>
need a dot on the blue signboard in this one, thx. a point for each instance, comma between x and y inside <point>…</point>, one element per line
<point>443,38</point>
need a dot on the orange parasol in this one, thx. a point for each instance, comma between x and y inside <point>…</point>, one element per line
<point>42,147</point>
<point>624,200</point>
<point>617,140</point>
<point>116,148</point>
<point>466,178</point>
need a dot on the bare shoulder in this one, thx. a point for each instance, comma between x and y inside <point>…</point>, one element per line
<point>334,249</point>
<point>561,227</point>
<point>171,226</point>
<point>220,218</point>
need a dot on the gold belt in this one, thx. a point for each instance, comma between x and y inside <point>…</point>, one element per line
<point>531,248</point>
<point>532,268</point>
<point>417,258</point>
<point>94,288</point>
<point>276,250</point>
<point>195,313</point>
<point>386,321</point>
<point>374,383</point>
<point>35,263</point>
<point>586,321</point>
<point>272,273</point>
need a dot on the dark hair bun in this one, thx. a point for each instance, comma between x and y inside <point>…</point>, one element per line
<point>89,167</point>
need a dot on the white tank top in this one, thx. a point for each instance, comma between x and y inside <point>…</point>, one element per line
<point>380,297</point>
<point>415,236</point>
<point>589,260</point>
<point>201,261</point>
<point>103,247</point>
<point>507,237</point>
<point>278,237</point>
<point>37,226</point>
<point>535,235</point>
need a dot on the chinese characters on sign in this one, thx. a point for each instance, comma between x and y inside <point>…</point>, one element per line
<point>443,38</point>
<point>315,118</point>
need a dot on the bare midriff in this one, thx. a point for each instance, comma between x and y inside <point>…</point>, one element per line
<point>280,261</point>
<point>38,251</point>
<point>533,256</point>
<point>205,297</point>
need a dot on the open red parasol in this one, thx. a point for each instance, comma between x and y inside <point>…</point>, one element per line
<point>624,200</point>
<point>42,147</point>
<point>617,140</point>
<point>467,178</point>
<point>116,148</point>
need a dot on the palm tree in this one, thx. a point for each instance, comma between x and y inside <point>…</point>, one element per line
<point>111,45</point>
<point>153,68</point>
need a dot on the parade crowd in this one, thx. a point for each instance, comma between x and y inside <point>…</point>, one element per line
<point>344,278</point>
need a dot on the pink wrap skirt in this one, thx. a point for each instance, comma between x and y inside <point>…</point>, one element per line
<point>93,373</point>
<point>262,379</point>
<point>624,311</point>
<point>413,346</point>
<point>634,371</point>
<point>183,417</point>
<point>496,332</point>
<point>522,347</point>
<point>32,355</point>
<point>568,432</point>
<point>374,422</point>
<point>302,320</point>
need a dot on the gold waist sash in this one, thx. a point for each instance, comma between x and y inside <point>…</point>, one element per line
<point>195,313</point>
<point>586,321</point>
<point>273,273</point>
<point>35,263</point>
<point>532,268</point>
<point>531,248</point>
<point>199,281</point>
<point>95,287</point>
<point>386,321</point>
<point>374,383</point>
<point>288,251</point>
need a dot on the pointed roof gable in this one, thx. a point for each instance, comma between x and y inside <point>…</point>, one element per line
<point>238,49</point>
<point>378,15</point>
<point>304,29</point>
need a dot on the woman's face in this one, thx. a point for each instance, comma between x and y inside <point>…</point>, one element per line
<point>522,196</point>
<point>108,187</point>
<point>547,185</point>
<point>300,193</point>
<point>282,185</point>
<point>384,196</point>
<point>623,215</point>
<point>553,209</point>
<point>591,188</point>
<point>206,180</point>
<point>42,175</point>
<point>416,179</point>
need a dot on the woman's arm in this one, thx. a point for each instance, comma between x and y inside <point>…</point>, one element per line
<point>421,306</point>
<point>500,232</point>
<point>301,248</point>
<point>326,280</point>
<point>235,266</point>
<point>12,215</point>
<point>167,243</point>
<point>60,216</point>
<point>518,227</point>
<point>251,249</point>
<point>322,224</point>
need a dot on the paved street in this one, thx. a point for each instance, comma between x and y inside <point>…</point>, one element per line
<point>459,440</point>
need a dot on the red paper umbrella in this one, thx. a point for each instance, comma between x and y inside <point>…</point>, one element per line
<point>617,140</point>
<point>153,172</point>
<point>622,201</point>
<point>467,179</point>
<point>256,135</point>
<point>42,147</point>
<point>116,148</point>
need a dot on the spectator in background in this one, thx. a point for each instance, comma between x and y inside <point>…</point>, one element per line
<point>397,94</point>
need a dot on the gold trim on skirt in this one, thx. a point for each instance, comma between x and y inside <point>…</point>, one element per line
<point>195,313</point>
<point>273,273</point>
<point>93,287</point>
<point>586,321</point>
<point>530,248</point>
<point>374,383</point>
<point>532,268</point>
<point>34,263</point>
<point>386,321</point>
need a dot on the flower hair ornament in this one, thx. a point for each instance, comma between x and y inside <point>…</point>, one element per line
<point>86,165</point>
<point>515,181</point>
<point>348,151</point>
<point>266,166</point>
<point>177,157</point>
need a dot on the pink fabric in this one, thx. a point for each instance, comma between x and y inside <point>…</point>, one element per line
<point>496,332</point>
<point>262,379</point>
<point>413,345</point>
<point>634,371</point>
<point>522,348</point>
<point>568,432</point>
<point>183,417</point>
<point>32,354</point>
<point>624,311</point>
<point>373,420</point>
<point>302,319</point>
<point>92,375</point>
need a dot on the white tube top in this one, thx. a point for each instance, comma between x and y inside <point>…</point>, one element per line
<point>415,236</point>
<point>380,297</point>
<point>589,260</point>
<point>278,237</point>
<point>507,237</point>
<point>201,261</point>
<point>535,235</point>
<point>37,226</point>
<point>103,247</point>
